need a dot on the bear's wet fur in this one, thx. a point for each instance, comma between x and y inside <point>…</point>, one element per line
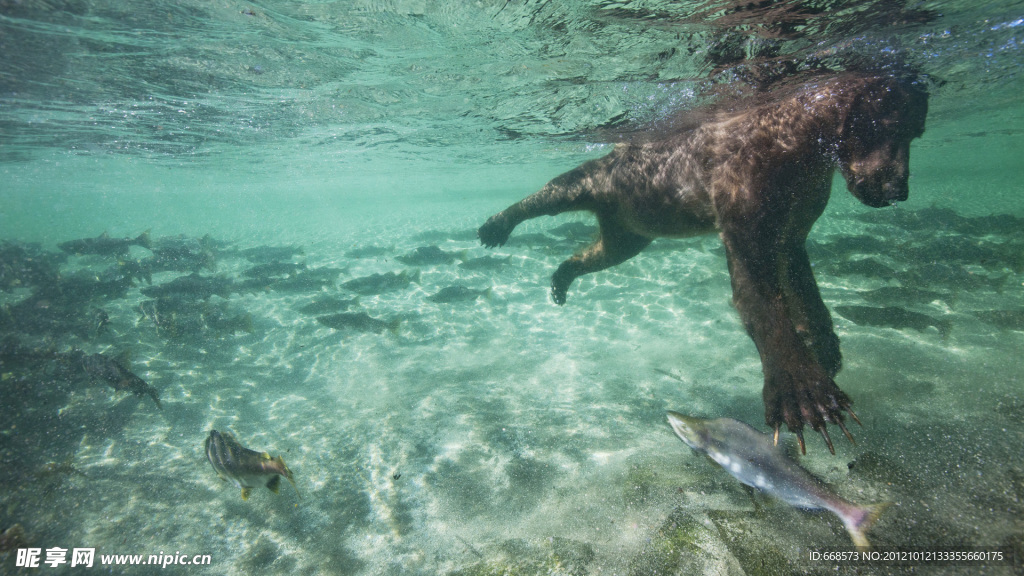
<point>760,173</point>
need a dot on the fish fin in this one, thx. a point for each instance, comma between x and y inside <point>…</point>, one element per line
<point>393,326</point>
<point>944,326</point>
<point>274,484</point>
<point>266,456</point>
<point>488,292</point>
<point>155,396</point>
<point>861,520</point>
<point>143,240</point>
<point>415,276</point>
<point>245,493</point>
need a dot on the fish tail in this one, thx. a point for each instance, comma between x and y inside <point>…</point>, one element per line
<point>860,519</point>
<point>944,326</point>
<point>156,398</point>
<point>143,240</point>
<point>394,325</point>
<point>287,473</point>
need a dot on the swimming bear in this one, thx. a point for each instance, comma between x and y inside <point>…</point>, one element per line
<point>760,174</point>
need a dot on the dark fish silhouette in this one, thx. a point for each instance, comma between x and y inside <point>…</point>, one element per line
<point>429,256</point>
<point>752,458</point>
<point>266,254</point>
<point>328,305</point>
<point>274,269</point>
<point>457,293</point>
<point>575,231</point>
<point>1005,319</point>
<point>903,295</point>
<point>115,372</point>
<point>104,245</point>
<point>484,263</point>
<point>193,286</point>
<point>893,317</point>
<point>24,265</point>
<point>380,283</point>
<point>358,321</point>
<point>308,280</point>
<point>243,467</point>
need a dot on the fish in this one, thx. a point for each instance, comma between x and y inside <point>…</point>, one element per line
<point>485,263</point>
<point>27,264</point>
<point>183,254</point>
<point>182,318</point>
<point>307,280</point>
<point>114,371</point>
<point>104,245</point>
<point>753,458</point>
<point>893,317</point>
<point>429,255</point>
<point>243,467</point>
<point>904,295</point>
<point>274,270</point>
<point>192,286</point>
<point>65,468</point>
<point>575,231</point>
<point>358,321</point>
<point>867,267</point>
<point>267,254</point>
<point>379,283</point>
<point>1006,319</point>
<point>328,305</point>
<point>457,293</point>
<point>953,276</point>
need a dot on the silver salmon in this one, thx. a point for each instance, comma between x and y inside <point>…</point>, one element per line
<point>752,458</point>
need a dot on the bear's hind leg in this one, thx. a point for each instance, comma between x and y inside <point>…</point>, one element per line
<point>614,246</point>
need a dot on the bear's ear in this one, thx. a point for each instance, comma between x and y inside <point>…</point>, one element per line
<point>855,100</point>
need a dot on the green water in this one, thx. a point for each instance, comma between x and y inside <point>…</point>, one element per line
<point>501,435</point>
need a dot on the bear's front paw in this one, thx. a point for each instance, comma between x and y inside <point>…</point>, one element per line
<point>494,232</point>
<point>815,401</point>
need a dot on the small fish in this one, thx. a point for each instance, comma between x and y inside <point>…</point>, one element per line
<point>1005,319</point>
<point>183,254</point>
<point>243,467</point>
<point>903,295</point>
<point>274,270</point>
<point>429,256</point>
<point>328,305</point>
<point>752,458</point>
<point>575,231</point>
<point>457,293</point>
<point>307,280</point>
<point>358,321</point>
<point>193,286</point>
<point>867,267</point>
<point>379,283</point>
<point>485,263</point>
<point>893,317</point>
<point>266,254</point>
<point>65,468</point>
<point>104,245</point>
<point>115,372</point>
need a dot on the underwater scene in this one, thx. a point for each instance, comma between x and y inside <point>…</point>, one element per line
<point>263,310</point>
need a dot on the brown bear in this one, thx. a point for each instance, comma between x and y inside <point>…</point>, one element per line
<point>761,175</point>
